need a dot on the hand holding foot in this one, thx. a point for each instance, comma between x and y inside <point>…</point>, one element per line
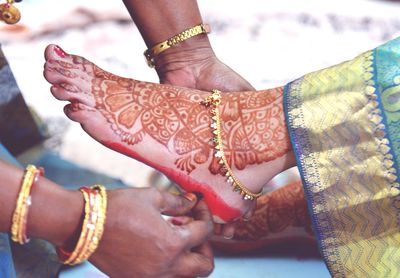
<point>168,128</point>
<point>197,67</point>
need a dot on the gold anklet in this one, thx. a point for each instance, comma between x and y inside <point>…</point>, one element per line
<point>214,101</point>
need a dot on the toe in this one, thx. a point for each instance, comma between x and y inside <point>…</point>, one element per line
<point>52,73</point>
<point>92,122</point>
<point>79,112</point>
<point>68,92</point>
<point>53,52</point>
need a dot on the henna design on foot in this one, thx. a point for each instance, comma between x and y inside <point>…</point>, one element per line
<point>167,128</point>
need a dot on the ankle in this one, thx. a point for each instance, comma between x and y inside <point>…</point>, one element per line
<point>255,136</point>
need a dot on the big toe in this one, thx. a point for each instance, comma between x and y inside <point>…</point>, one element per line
<point>54,52</point>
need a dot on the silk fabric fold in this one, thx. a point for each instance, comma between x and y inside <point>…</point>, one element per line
<point>344,127</point>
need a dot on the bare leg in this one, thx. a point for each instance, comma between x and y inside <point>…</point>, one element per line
<point>167,128</point>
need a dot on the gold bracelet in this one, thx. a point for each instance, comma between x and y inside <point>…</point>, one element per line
<point>98,218</point>
<point>214,101</point>
<point>20,215</point>
<point>92,228</point>
<point>71,260</point>
<point>152,52</point>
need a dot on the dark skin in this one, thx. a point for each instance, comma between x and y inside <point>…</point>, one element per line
<point>135,230</point>
<point>192,63</point>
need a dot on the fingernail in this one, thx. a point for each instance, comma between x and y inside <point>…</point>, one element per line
<point>60,52</point>
<point>189,196</point>
<point>178,221</point>
<point>217,229</point>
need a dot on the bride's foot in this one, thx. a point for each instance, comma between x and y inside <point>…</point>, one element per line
<point>167,128</point>
<point>281,217</point>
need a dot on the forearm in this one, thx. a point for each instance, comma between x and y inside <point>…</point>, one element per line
<point>55,213</point>
<point>158,20</point>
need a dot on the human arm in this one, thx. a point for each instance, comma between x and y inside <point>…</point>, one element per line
<point>191,63</point>
<point>132,215</point>
<point>55,214</point>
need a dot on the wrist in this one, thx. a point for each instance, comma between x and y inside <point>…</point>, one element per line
<point>187,54</point>
<point>55,215</point>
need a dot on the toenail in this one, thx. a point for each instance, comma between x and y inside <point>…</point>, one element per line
<point>228,236</point>
<point>60,52</point>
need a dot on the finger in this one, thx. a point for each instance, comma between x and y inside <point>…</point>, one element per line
<point>250,212</point>
<point>201,212</point>
<point>171,204</point>
<point>194,265</point>
<point>180,220</point>
<point>204,249</point>
<point>196,232</point>
<point>228,230</point>
<point>217,229</point>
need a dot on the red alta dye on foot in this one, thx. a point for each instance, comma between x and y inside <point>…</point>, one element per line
<point>216,204</point>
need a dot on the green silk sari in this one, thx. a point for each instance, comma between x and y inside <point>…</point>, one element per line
<point>344,124</point>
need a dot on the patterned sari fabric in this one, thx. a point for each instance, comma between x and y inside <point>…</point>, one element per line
<point>344,124</point>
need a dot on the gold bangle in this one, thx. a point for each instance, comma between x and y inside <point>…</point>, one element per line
<point>92,228</point>
<point>152,52</point>
<point>20,215</point>
<point>214,101</point>
<point>98,218</point>
<point>71,260</point>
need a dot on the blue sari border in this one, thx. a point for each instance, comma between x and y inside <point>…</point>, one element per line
<point>289,102</point>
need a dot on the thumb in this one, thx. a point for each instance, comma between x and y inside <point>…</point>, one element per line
<point>177,204</point>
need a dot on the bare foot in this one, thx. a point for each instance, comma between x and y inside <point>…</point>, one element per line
<point>167,128</point>
<point>281,217</point>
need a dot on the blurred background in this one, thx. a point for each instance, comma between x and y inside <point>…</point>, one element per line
<point>268,42</point>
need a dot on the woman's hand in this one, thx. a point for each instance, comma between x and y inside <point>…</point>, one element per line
<point>139,242</point>
<point>195,66</point>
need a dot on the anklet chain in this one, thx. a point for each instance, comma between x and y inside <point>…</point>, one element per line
<point>214,101</point>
